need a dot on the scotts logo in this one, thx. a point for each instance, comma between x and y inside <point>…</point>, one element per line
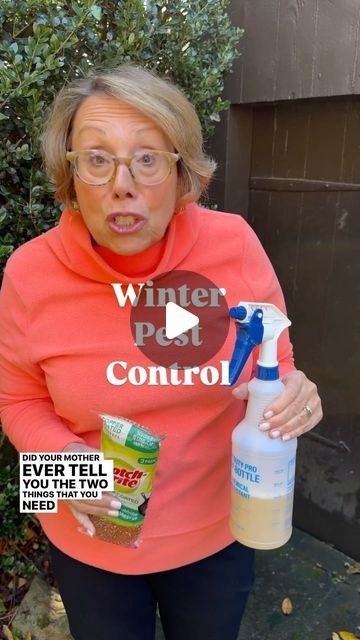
<point>126,478</point>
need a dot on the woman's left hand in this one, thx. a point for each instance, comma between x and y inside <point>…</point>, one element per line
<point>296,410</point>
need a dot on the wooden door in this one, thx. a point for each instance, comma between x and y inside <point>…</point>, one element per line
<point>304,205</point>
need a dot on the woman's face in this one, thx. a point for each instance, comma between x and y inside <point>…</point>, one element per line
<point>122,215</point>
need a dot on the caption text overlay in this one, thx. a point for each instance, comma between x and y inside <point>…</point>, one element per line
<point>46,478</point>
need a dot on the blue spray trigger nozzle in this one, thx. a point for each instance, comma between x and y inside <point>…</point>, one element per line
<point>248,335</point>
<point>239,313</point>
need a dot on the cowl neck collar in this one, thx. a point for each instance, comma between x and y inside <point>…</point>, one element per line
<point>74,247</point>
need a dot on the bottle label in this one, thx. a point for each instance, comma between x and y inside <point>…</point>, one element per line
<point>263,479</point>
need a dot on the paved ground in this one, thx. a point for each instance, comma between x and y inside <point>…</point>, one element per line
<point>317,579</point>
<point>325,597</point>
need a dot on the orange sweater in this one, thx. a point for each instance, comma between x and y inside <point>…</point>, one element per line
<point>60,327</point>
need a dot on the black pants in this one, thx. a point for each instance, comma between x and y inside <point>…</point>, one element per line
<point>204,600</point>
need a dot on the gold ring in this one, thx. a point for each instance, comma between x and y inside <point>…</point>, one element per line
<point>308,410</point>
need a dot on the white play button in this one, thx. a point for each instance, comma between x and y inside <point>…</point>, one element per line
<point>178,320</point>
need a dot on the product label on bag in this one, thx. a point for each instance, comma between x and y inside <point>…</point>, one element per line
<point>134,451</point>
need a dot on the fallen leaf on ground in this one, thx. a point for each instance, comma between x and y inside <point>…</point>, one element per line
<point>7,633</point>
<point>30,533</point>
<point>353,568</point>
<point>343,635</point>
<point>287,606</point>
<point>17,582</point>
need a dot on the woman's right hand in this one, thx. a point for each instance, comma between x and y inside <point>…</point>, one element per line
<point>106,506</point>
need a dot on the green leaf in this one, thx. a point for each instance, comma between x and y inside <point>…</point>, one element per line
<point>54,41</point>
<point>96,12</point>
<point>49,61</point>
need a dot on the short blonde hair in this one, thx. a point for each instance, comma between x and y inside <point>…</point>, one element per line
<point>158,99</point>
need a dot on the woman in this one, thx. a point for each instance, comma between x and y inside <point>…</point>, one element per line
<point>124,150</point>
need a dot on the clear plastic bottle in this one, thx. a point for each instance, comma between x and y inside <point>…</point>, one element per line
<point>263,474</point>
<point>263,468</point>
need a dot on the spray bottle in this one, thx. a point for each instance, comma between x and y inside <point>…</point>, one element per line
<point>263,469</point>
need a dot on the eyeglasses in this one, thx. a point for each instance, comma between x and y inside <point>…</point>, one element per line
<point>99,167</point>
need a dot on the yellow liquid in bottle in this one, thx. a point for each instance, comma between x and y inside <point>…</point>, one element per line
<point>261,523</point>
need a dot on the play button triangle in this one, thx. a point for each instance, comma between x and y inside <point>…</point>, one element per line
<point>178,320</point>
